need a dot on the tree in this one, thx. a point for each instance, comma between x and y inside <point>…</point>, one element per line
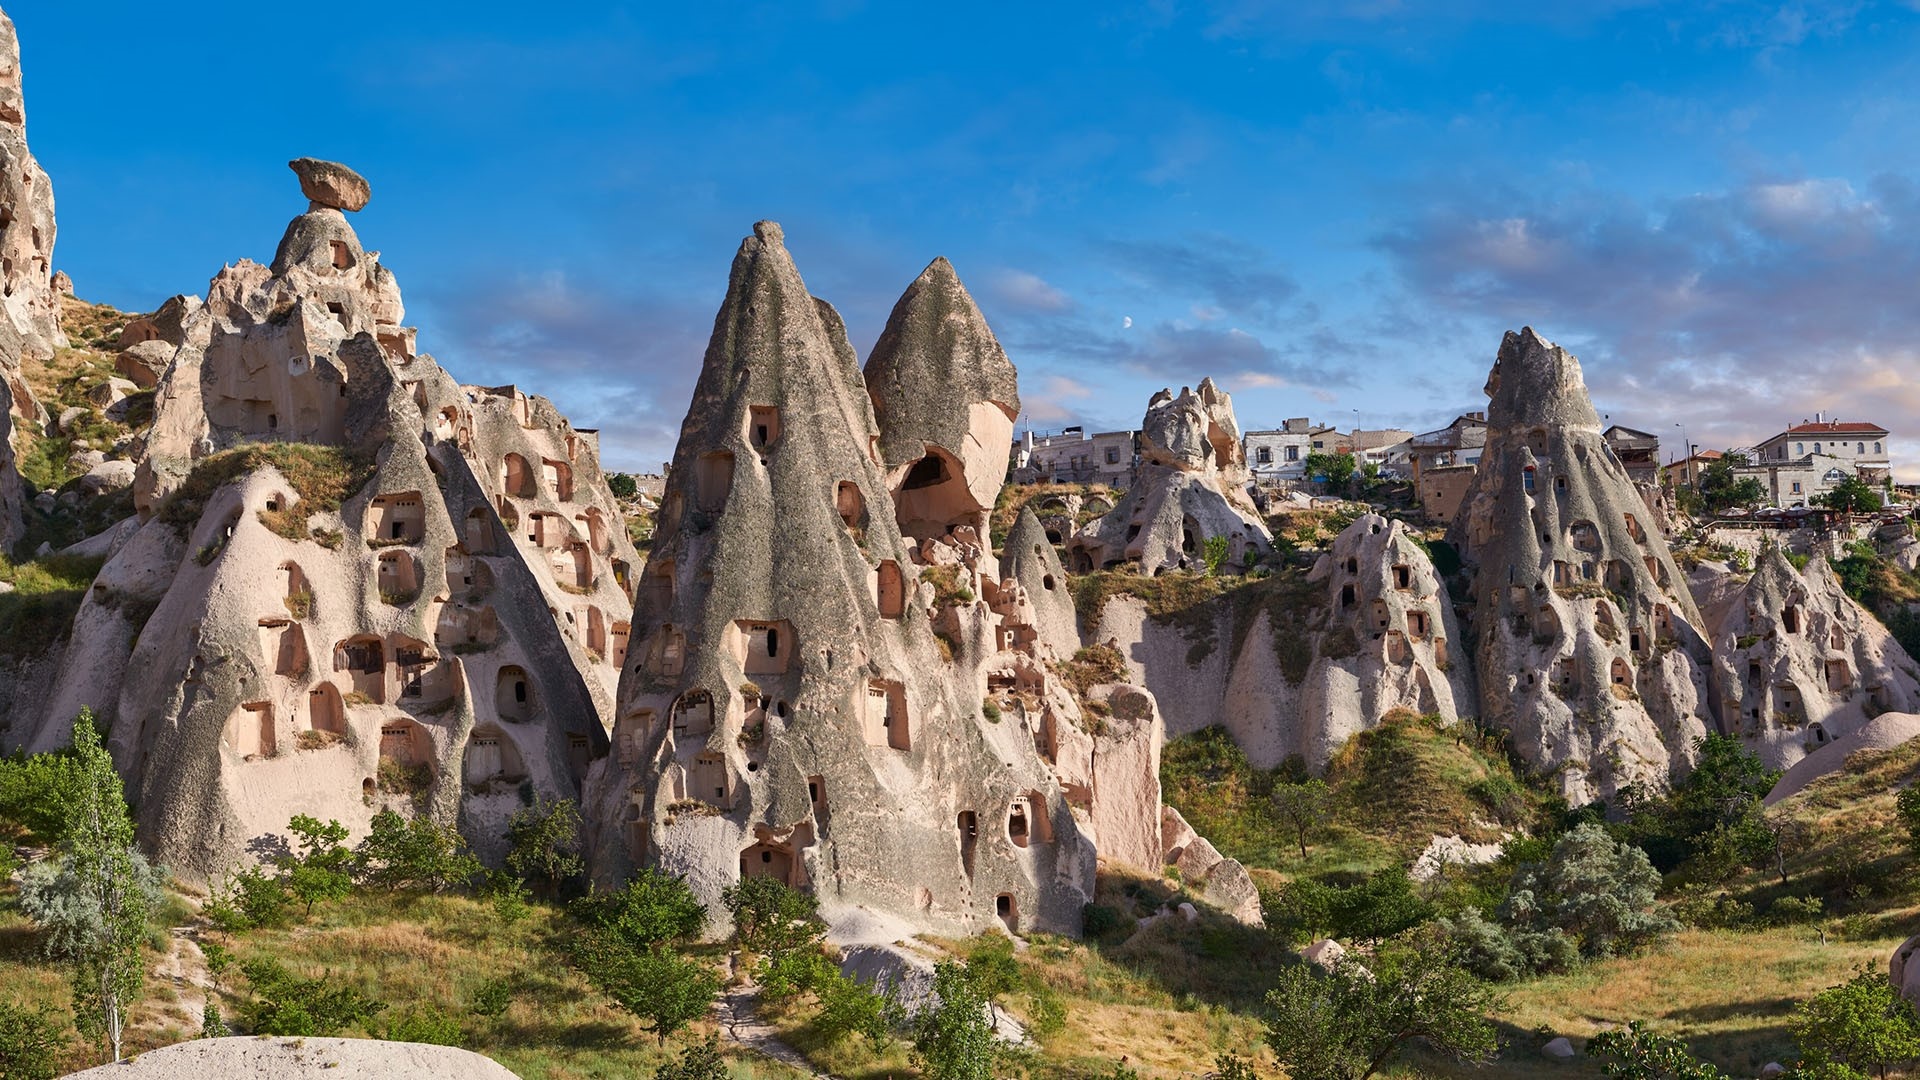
<point>1907,804</point>
<point>1721,487</point>
<point>1634,1053</point>
<point>953,1035</point>
<point>35,792</point>
<point>1305,808</point>
<point>287,1005</point>
<point>1850,496</point>
<point>848,1007</point>
<point>418,854</point>
<point>652,909</point>
<point>1332,469</point>
<point>622,485</point>
<point>1863,1024</point>
<point>771,917</point>
<point>1597,890</point>
<point>1348,1023</point>
<point>666,991</point>
<point>700,1061</point>
<point>30,1043</point>
<point>543,843</point>
<point>98,900</point>
<point>322,868</point>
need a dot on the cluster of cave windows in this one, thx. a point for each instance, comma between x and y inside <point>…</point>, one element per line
<point>398,516</point>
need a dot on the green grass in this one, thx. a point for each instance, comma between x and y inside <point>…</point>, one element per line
<point>46,594</point>
<point>323,477</point>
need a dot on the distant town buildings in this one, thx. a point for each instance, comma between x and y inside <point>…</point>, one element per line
<point>1074,457</point>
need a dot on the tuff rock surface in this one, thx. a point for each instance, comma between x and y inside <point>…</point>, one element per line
<point>445,639</point>
<point>1797,663</point>
<point>1190,487</point>
<point>331,185</point>
<point>1589,648</point>
<point>29,305</point>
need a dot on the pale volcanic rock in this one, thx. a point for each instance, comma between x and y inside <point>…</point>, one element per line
<point>144,363</point>
<point>243,1057</point>
<point>791,713</point>
<point>166,323</point>
<point>330,184</point>
<point>1883,732</point>
<point>945,397</point>
<point>446,640</point>
<point>1190,487</point>
<point>1030,560</point>
<point>1221,881</point>
<point>29,305</point>
<point>1588,643</point>
<point>1798,663</point>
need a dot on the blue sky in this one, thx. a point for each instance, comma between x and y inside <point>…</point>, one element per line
<point>1334,209</point>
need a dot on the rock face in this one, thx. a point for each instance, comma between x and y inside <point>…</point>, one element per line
<point>1190,487</point>
<point>356,584</point>
<point>26,220</point>
<point>790,711</point>
<point>1883,732</point>
<point>1588,648</point>
<point>1291,670</point>
<point>29,306</point>
<point>945,397</point>
<point>1798,664</point>
<point>1030,560</point>
<point>331,185</point>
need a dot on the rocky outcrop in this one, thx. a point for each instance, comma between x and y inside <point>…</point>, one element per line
<point>1296,668</point>
<point>28,302</point>
<point>807,700</point>
<point>1030,560</point>
<point>1797,663</point>
<point>945,397</point>
<point>1883,732</point>
<point>355,584</point>
<point>1221,881</point>
<point>1190,488</point>
<point>1588,651</point>
<point>242,1057</point>
<point>331,185</point>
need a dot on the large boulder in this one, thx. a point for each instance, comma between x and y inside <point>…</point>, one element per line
<point>244,1057</point>
<point>331,184</point>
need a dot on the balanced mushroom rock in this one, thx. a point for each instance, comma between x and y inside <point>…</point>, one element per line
<point>354,585</point>
<point>331,185</point>
<point>1798,663</point>
<point>1589,651</point>
<point>792,713</point>
<point>945,397</point>
<point>1189,490</point>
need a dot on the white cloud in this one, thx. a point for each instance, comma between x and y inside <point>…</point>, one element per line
<point>1027,292</point>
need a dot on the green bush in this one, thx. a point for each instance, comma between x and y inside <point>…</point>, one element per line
<point>31,1042</point>
<point>543,843</point>
<point>1596,890</point>
<point>286,1005</point>
<point>420,854</point>
<point>424,1024</point>
<point>653,908</point>
<point>700,1061</point>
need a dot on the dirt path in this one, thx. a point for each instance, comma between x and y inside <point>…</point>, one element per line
<point>185,969</point>
<point>742,1025</point>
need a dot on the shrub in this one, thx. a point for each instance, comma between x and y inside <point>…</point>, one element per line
<point>653,908</point>
<point>666,992</point>
<point>952,1035</point>
<point>424,1024</point>
<point>770,917</point>
<point>321,868</point>
<point>1863,1024</point>
<point>1634,1053</point>
<point>418,854</point>
<point>701,1061</point>
<point>285,1005</point>
<point>1597,890</point>
<point>543,841</point>
<point>31,1041</point>
<point>492,998</point>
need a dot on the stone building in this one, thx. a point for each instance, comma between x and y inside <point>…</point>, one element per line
<point>1074,457</point>
<point>1859,448</point>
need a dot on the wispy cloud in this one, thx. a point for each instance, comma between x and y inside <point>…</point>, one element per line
<point>1027,292</point>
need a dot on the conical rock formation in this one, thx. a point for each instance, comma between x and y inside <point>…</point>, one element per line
<point>1190,488</point>
<point>1798,663</point>
<point>790,711</point>
<point>1588,648</point>
<point>356,584</point>
<point>1030,560</point>
<point>29,307</point>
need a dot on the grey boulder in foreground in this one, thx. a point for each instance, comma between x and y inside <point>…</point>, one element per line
<point>279,1057</point>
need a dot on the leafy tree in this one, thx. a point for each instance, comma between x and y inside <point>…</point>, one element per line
<point>287,1005</point>
<point>771,917</point>
<point>1348,1023</point>
<point>652,909</point>
<point>1863,1024</point>
<point>953,1035</point>
<point>1305,808</point>
<point>700,1061</point>
<point>322,869</point>
<point>97,901</point>
<point>1907,803</point>
<point>1213,551</point>
<point>248,898</point>
<point>1722,488</point>
<point>1634,1053</point>
<point>1499,953</point>
<point>419,854</point>
<point>666,991</point>
<point>1333,469</point>
<point>622,485</point>
<point>848,1007</point>
<point>543,843</point>
<point>1233,1067</point>
<point>1727,779</point>
<point>212,1024</point>
<point>35,792</point>
<point>30,1043</point>
<point>1378,908</point>
<point>1850,496</point>
<point>1598,891</point>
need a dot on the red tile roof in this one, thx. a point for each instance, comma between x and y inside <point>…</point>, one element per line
<point>1835,427</point>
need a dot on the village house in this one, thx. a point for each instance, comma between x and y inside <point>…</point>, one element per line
<point>1074,457</point>
<point>1459,443</point>
<point>1638,451</point>
<point>1279,456</point>
<point>1861,447</point>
